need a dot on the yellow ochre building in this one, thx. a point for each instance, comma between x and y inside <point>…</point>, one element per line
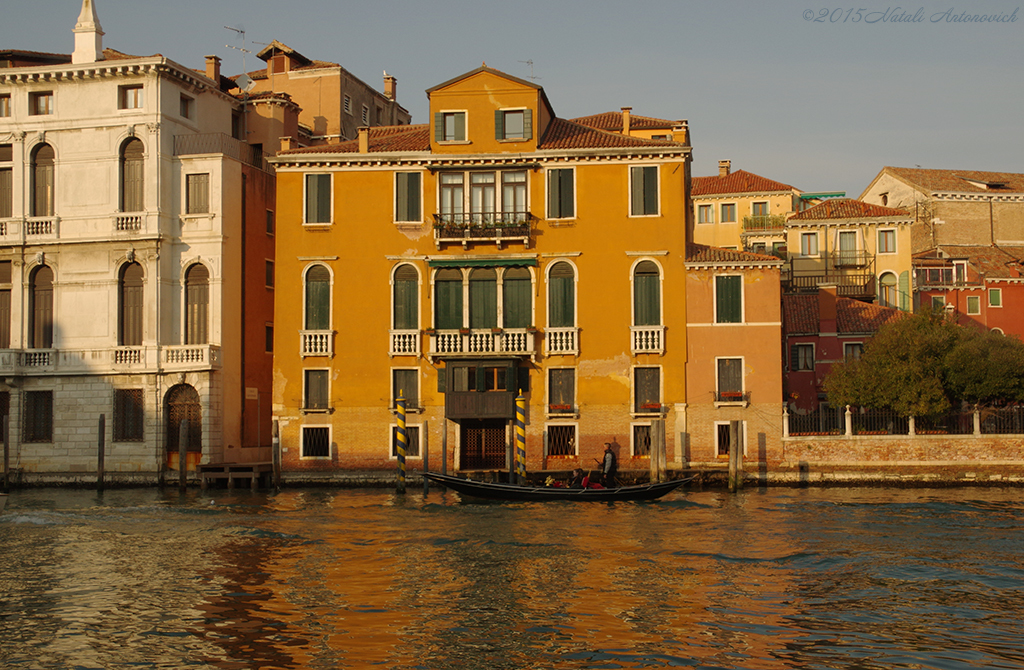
<point>495,250</point>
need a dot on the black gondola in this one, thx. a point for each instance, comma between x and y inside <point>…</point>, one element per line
<point>511,492</point>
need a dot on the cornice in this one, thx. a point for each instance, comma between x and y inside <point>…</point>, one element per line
<point>435,162</point>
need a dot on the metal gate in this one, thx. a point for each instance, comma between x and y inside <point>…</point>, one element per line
<point>484,445</point>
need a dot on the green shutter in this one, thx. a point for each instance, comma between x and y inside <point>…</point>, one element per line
<point>442,380</point>
<point>651,190</point>
<point>728,299</point>
<point>448,300</point>
<point>522,380</point>
<point>438,127</point>
<point>904,288</point>
<point>554,195</point>
<point>527,124</point>
<point>517,293</point>
<point>499,124</point>
<point>402,196</point>
<point>636,191</point>
<point>406,298</point>
<point>483,299</point>
<point>318,298</point>
<point>460,127</point>
<point>561,296</point>
<point>413,195</point>
<point>566,186</point>
<point>646,295</point>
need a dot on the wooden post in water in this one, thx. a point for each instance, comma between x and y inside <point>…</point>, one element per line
<point>521,438</point>
<point>183,455</point>
<point>402,441</point>
<point>275,454</point>
<point>735,456</point>
<point>444,446</point>
<point>7,456</point>
<point>101,454</point>
<point>425,437</point>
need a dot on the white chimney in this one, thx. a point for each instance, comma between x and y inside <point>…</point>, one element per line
<point>88,35</point>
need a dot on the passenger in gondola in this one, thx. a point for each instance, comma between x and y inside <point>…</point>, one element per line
<point>577,481</point>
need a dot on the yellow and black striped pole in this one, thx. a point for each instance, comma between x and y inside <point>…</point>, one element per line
<point>402,440</point>
<point>521,437</point>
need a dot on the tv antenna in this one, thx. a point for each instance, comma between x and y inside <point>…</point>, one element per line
<point>244,81</point>
<point>530,63</point>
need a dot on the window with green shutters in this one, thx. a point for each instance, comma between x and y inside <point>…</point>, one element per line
<point>405,382</point>
<point>643,185</point>
<point>448,299</point>
<point>729,299</point>
<point>318,298</point>
<point>517,302</point>
<point>315,396</point>
<point>730,378</point>
<point>646,294</point>
<point>450,127</point>
<point>513,124</point>
<point>561,296</point>
<point>318,198</point>
<point>483,298</point>
<point>561,193</point>
<point>407,197</point>
<point>406,316</point>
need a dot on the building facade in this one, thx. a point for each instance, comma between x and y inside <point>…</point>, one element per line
<point>136,263</point>
<point>497,251</point>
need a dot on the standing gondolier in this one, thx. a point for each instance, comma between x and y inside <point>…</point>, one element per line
<point>609,467</point>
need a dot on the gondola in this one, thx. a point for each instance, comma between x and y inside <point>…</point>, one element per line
<point>511,492</point>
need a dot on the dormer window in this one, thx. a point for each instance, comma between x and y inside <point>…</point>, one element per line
<point>450,127</point>
<point>513,124</point>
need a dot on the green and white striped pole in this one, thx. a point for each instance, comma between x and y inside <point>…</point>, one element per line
<point>521,437</point>
<point>403,441</point>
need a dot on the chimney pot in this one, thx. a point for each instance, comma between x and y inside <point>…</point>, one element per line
<point>287,143</point>
<point>724,167</point>
<point>213,68</point>
<point>364,139</point>
<point>390,87</point>
<point>626,119</point>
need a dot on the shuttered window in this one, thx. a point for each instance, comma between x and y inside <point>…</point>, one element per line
<point>730,376</point>
<point>513,124</point>
<point>561,389</point>
<point>315,389</point>
<point>561,202</point>
<point>128,415</point>
<point>42,173</point>
<point>407,384</point>
<point>729,299</point>
<point>646,295</point>
<point>38,421</point>
<point>132,178</point>
<point>517,302</point>
<point>450,127</point>
<point>6,183</point>
<point>41,309</point>
<point>644,190</point>
<point>197,193</point>
<point>5,304</point>
<point>318,198</point>
<point>130,310</point>
<point>646,389</point>
<point>412,441</point>
<point>561,296</point>
<point>197,301</point>
<point>406,315</point>
<point>448,299</point>
<point>483,298</point>
<point>801,357</point>
<point>318,298</point>
<point>407,196</point>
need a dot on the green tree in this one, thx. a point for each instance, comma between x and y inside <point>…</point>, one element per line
<point>921,365</point>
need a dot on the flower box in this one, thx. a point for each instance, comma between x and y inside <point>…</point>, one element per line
<point>560,408</point>
<point>651,405</point>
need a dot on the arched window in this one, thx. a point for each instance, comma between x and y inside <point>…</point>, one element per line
<point>517,298</point>
<point>483,298</point>
<point>41,308</point>
<point>197,304</point>
<point>129,311</point>
<point>406,315</point>
<point>318,298</point>
<point>561,296</point>
<point>132,176</point>
<point>42,175</point>
<point>887,290</point>
<point>448,299</point>
<point>646,294</point>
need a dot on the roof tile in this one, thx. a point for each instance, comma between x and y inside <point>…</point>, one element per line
<point>739,181</point>
<point>847,208</point>
<point>960,180</point>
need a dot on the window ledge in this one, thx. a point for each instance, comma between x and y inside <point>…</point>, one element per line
<point>318,226</point>
<point>511,140</point>
<point>555,416</point>
<point>316,411</point>
<point>732,403</point>
<point>408,410</point>
<point>453,142</point>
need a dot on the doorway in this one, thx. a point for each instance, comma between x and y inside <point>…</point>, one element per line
<point>484,444</point>
<point>183,405</point>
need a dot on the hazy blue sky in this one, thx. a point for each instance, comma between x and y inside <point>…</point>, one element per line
<point>820,104</point>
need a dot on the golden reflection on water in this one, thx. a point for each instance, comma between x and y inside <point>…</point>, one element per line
<point>339,579</point>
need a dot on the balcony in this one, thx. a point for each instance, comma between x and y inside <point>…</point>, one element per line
<point>852,259</point>
<point>174,358</point>
<point>850,285</point>
<point>41,227</point>
<point>647,339</point>
<point>562,341</point>
<point>772,223</point>
<point>498,227</point>
<point>316,343</point>
<point>219,143</point>
<point>405,343</point>
<point>483,342</point>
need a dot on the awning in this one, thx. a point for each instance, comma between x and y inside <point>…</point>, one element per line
<point>468,262</point>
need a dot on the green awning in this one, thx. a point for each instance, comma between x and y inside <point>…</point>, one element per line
<point>467,262</point>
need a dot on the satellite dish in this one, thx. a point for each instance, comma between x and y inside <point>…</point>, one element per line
<point>245,82</point>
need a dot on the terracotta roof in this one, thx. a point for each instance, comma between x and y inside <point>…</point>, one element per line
<point>383,139</point>
<point>266,52</point>
<point>960,180</point>
<point>991,261</point>
<point>613,121</point>
<point>739,181</point>
<point>800,315</point>
<point>562,134</point>
<point>702,253</point>
<point>313,65</point>
<point>847,208</point>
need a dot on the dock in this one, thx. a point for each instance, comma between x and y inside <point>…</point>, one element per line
<point>230,472</point>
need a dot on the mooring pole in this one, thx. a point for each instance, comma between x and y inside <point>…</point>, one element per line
<point>402,441</point>
<point>425,433</point>
<point>275,453</point>
<point>735,457</point>
<point>7,456</point>
<point>521,438</point>
<point>444,446</point>
<point>182,455</point>
<point>100,454</point>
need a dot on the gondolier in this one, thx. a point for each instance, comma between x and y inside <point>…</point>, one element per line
<point>609,467</point>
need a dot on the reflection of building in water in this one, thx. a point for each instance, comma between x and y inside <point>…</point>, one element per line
<point>494,251</point>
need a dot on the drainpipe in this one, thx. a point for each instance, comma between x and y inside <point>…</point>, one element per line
<point>244,324</point>
<point>991,223</point>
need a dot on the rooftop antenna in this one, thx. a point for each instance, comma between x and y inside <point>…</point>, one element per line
<point>244,82</point>
<point>530,63</point>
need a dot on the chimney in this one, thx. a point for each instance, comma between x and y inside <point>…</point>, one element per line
<point>827,314</point>
<point>287,143</point>
<point>213,68</point>
<point>724,167</point>
<point>681,131</point>
<point>364,139</point>
<point>625,119</point>
<point>390,86</point>
<point>88,36</point>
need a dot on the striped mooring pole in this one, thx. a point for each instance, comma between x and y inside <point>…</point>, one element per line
<point>521,437</point>
<point>403,440</point>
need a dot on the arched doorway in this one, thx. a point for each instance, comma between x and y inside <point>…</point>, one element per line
<point>183,404</point>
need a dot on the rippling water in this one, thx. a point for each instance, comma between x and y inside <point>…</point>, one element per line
<point>783,578</point>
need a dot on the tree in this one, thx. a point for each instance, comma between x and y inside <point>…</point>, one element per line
<point>921,365</point>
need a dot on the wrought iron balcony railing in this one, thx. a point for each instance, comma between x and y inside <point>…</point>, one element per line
<point>468,227</point>
<point>771,222</point>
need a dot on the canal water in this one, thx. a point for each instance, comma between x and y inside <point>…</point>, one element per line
<point>317,578</point>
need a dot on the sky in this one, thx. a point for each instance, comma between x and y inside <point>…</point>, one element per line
<point>818,96</point>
